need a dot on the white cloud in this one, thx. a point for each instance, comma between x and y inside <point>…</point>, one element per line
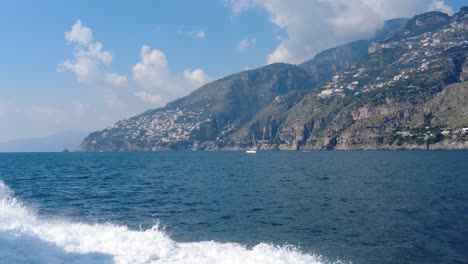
<point>115,79</point>
<point>153,99</point>
<point>196,77</point>
<point>315,25</point>
<point>79,34</point>
<point>246,43</point>
<point>152,69</point>
<point>95,51</point>
<point>152,72</point>
<point>89,59</point>
<point>440,6</point>
<point>238,6</point>
<point>197,34</point>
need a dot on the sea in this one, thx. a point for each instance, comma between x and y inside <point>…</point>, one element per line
<point>233,207</point>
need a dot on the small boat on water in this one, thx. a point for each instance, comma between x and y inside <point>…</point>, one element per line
<point>253,150</point>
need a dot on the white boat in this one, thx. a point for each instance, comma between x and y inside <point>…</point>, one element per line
<point>253,150</point>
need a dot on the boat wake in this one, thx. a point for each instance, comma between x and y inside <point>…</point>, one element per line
<point>28,238</point>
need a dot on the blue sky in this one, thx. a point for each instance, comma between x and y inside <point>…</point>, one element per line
<point>155,51</point>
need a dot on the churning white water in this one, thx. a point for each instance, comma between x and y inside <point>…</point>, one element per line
<point>28,238</point>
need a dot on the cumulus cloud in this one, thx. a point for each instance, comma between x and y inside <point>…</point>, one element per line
<point>152,70</point>
<point>89,59</point>
<point>152,73</point>
<point>314,25</point>
<point>196,77</point>
<point>246,43</point>
<point>79,34</point>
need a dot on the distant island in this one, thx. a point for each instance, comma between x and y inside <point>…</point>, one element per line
<point>406,88</point>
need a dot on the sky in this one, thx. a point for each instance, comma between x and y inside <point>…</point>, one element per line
<point>83,65</point>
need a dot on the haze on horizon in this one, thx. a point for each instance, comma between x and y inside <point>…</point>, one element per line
<point>82,68</point>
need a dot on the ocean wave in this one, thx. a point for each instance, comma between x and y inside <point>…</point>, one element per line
<point>26,237</point>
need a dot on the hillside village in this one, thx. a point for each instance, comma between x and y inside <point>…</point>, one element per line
<point>419,54</point>
<point>406,92</point>
<point>157,129</point>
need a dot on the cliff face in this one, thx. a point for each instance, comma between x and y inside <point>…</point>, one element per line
<point>439,123</point>
<point>380,101</point>
<point>405,89</point>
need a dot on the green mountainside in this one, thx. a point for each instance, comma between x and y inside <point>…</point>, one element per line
<point>404,89</point>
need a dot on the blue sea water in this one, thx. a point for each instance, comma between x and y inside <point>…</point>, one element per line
<point>230,207</point>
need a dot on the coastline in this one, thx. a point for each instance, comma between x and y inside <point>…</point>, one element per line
<point>437,146</point>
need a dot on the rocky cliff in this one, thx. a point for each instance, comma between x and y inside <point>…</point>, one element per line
<point>404,89</point>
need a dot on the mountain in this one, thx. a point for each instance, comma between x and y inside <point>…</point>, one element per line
<point>65,140</point>
<point>403,89</point>
<point>378,102</point>
<point>325,64</point>
<point>221,110</point>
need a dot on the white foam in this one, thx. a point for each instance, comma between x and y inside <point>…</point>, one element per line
<point>26,238</point>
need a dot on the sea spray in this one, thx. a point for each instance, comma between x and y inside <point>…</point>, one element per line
<point>27,238</point>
